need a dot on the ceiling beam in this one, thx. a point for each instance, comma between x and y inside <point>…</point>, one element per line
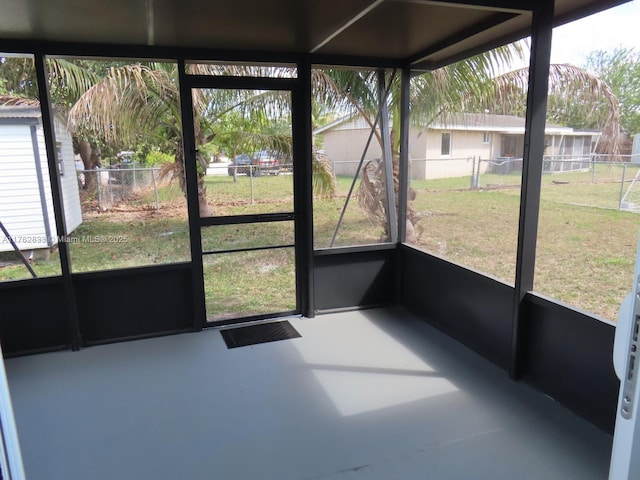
<point>460,36</point>
<point>346,25</point>
<point>428,65</point>
<point>513,6</point>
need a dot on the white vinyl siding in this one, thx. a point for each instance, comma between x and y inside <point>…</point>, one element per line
<point>20,205</point>
<point>69,181</point>
<point>21,209</point>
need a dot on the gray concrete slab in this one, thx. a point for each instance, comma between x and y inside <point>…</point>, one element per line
<point>373,394</point>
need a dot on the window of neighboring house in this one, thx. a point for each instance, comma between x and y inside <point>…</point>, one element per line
<point>445,148</point>
<point>486,138</point>
<point>578,144</point>
<point>567,147</point>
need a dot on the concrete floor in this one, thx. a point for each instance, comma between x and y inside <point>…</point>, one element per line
<point>375,395</point>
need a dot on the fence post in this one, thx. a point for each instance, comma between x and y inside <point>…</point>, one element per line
<point>478,172</point>
<point>155,188</point>
<point>473,174</point>
<point>99,177</point>
<point>251,181</point>
<point>624,174</point>
<point>593,169</point>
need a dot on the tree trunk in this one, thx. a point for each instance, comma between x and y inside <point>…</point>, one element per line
<point>205,210</point>
<point>91,159</point>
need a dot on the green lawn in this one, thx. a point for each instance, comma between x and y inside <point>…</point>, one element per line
<point>585,254</point>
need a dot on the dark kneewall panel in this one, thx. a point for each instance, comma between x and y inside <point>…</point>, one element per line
<point>569,355</point>
<point>34,317</point>
<point>472,308</point>
<point>354,279</point>
<point>134,303</point>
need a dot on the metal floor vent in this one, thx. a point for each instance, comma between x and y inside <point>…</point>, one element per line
<point>260,333</point>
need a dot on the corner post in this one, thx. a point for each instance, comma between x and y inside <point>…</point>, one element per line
<point>542,26</point>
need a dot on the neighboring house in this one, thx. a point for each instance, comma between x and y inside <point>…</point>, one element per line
<point>26,206</point>
<point>447,149</point>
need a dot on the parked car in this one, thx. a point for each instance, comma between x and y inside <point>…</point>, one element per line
<point>262,162</point>
<point>240,166</point>
<point>265,163</point>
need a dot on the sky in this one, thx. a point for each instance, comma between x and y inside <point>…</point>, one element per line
<point>618,26</point>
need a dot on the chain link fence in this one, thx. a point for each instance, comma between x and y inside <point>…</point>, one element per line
<point>132,186</point>
<point>591,180</point>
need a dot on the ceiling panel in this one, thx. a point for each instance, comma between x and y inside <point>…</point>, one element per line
<point>240,24</point>
<point>393,29</point>
<point>91,20</point>
<point>475,43</point>
<point>398,29</point>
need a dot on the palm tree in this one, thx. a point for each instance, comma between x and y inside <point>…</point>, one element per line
<point>139,101</point>
<point>570,88</point>
<point>431,95</point>
<point>119,103</point>
<point>142,101</point>
<point>473,85</point>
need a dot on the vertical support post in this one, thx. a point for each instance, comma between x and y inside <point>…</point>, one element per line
<point>48,125</point>
<point>624,174</point>
<point>303,188</point>
<point>43,198</point>
<point>387,156</point>
<point>542,26</point>
<point>193,208</point>
<point>478,172</point>
<point>403,176</point>
<point>403,180</point>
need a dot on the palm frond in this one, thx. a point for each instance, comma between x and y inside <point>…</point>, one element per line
<point>131,99</point>
<point>446,90</point>
<point>324,179</point>
<point>371,193</point>
<point>16,101</point>
<point>568,86</point>
<point>68,81</point>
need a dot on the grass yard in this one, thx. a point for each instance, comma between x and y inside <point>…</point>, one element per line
<point>585,254</point>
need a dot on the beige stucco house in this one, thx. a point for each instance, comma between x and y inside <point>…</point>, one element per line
<point>454,147</point>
